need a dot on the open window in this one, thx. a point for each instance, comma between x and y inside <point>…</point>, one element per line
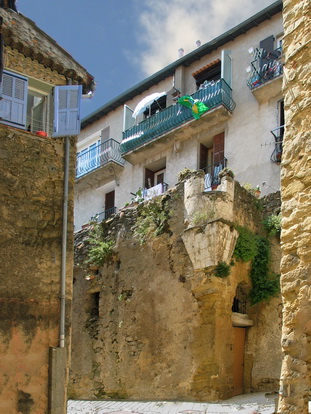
<point>214,71</point>
<point>212,160</point>
<point>155,107</point>
<point>155,179</point>
<point>27,103</point>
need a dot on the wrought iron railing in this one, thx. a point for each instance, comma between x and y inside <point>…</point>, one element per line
<point>215,94</point>
<point>212,173</point>
<point>264,67</point>
<point>104,215</point>
<point>98,156</point>
<point>278,134</point>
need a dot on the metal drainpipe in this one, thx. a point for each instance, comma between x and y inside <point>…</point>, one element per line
<point>64,247</point>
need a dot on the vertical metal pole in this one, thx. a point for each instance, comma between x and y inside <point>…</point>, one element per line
<point>64,247</point>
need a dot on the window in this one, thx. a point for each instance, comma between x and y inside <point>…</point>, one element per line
<point>210,73</point>
<point>27,104</point>
<point>156,106</point>
<point>278,134</point>
<point>155,177</point>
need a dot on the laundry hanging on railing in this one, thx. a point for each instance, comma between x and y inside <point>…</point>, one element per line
<point>198,108</point>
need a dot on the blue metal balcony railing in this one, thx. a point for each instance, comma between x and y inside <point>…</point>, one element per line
<point>215,94</point>
<point>212,173</point>
<point>278,134</point>
<point>264,67</point>
<point>98,156</point>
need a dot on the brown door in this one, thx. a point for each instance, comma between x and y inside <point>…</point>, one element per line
<point>238,360</point>
<point>219,148</point>
<point>109,202</point>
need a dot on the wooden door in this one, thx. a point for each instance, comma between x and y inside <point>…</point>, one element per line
<point>219,148</point>
<point>238,360</point>
<point>109,200</point>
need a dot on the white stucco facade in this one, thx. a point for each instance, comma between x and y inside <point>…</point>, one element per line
<point>248,142</point>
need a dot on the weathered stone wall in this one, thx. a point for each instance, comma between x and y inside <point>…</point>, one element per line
<point>155,323</point>
<point>14,60</point>
<point>295,387</point>
<point>31,194</point>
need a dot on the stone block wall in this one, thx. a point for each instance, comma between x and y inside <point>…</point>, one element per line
<point>31,194</point>
<point>14,60</point>
<point>150,324</point>
<point>295,389</point>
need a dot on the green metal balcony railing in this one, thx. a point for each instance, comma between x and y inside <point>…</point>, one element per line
<point>98,156</point>
<point>213,95</point>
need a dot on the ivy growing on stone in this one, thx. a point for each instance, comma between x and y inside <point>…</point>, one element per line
<point>246,245</point>
<point>265,283</point>
<point>272,224</point>
<point>100,249</point>
<point>251,247</point>
<point>222,270</point>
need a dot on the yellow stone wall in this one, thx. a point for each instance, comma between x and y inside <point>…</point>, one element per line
<point>156,323</point>
<point>31,202</point>
<point>13,60</point>
<point>295,386</point>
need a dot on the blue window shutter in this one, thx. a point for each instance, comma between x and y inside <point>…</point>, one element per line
<point>13,105</point>
<point>226,69</point>
<point>67,102</point>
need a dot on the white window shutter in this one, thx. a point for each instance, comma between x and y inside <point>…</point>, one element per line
<point>128,120</point>
<point>226,66</point>
<point>67,102</point>
<point>13,105</point>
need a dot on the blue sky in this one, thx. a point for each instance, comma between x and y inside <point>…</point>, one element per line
<point>121,42</point>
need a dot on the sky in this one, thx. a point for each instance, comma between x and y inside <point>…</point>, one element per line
<point>122,42</point>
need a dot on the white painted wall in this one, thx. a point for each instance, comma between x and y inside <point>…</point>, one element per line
<point>248,141</point>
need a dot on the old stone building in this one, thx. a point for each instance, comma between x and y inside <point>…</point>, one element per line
<point>167,316</point>
<point>295,389</point>
<point>36,240</point>
<point>144,137</point>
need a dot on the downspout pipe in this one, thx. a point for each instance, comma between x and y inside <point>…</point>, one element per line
<point>64,246</point>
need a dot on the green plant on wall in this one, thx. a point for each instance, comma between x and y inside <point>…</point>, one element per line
<point>265,283</point>
<point>222,270</point>
<point>246,245</point>
<point>100,249</point>
<point>152,221</point>
<point>272,224</point>
<point>251,247</point>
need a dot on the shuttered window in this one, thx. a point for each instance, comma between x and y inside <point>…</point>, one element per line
<point>13,104</point>
<point>67,101</point>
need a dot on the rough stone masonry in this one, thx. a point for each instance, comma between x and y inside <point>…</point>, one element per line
<point>295,387</point>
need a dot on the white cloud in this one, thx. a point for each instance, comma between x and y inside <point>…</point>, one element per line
<point>167,25</point>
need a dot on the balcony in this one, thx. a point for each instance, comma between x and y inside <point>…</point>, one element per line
<point>104,215</point>
<point>265,74</point>
<point>99,164</point>
<point>278,134</point>
<point>212,180</point>
<point>218,94</point>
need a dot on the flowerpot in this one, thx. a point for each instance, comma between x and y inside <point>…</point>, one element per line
<point>42,134</point>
